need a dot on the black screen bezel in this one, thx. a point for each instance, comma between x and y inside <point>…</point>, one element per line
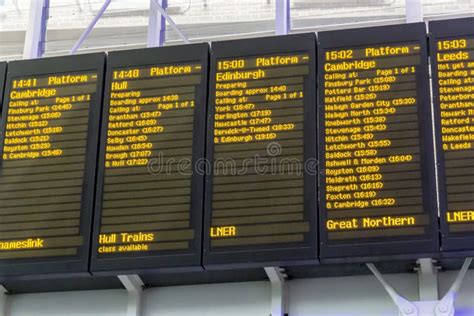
<point>3,73</point>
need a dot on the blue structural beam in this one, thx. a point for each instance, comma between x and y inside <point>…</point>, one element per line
<point>35,37</point>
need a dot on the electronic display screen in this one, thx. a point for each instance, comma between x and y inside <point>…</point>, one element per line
<point>3,71</point>
<point>377,181</point>
<point>452,60</point>
<point>47,173</point>
<point>149,195</point>
<point>261,196</point>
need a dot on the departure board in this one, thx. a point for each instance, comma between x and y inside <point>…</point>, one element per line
<point>150,195</point>
<point>261,196</point>
<point>452,60</point>
<point>377,181</point>
<point>49,148</point>
<point>3,70</point>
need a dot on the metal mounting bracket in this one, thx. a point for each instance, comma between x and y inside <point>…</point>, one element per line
<point>405,307</point>
<point>277,279</point>
<point>414,11</point>
<point>134,286</point>
<point>90,27</point>
<point>427,279</point>
<point>156,6</point>
<point>282,17</point>
<point>4,310</point>
<point>35,37</point>
<point>156,25</point>
<point>443,307</point>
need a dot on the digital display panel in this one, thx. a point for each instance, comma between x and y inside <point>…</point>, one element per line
<point>377,181</point>
<point>452,60</point>
<point>261,196</point>
<point>49,149</point>
<point>3,70</point>
<point>149,199</point>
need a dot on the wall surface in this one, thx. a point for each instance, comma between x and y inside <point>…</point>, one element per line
<point>345,296</point>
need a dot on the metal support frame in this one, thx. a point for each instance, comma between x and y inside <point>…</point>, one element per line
<point>134,286</point>
<point>427,279</point>
<point>405,306</point>
<point>282,17</point>
<point>156,25</point>
<point>443,307</point>
<point>155,5</point>
<point>35,37</point>
<point>4,309</point>
<point>414,11</point>
<point>90,27</point>
<point>278,299</point>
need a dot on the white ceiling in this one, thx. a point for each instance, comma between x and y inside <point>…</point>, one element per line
<point>124,25</point>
